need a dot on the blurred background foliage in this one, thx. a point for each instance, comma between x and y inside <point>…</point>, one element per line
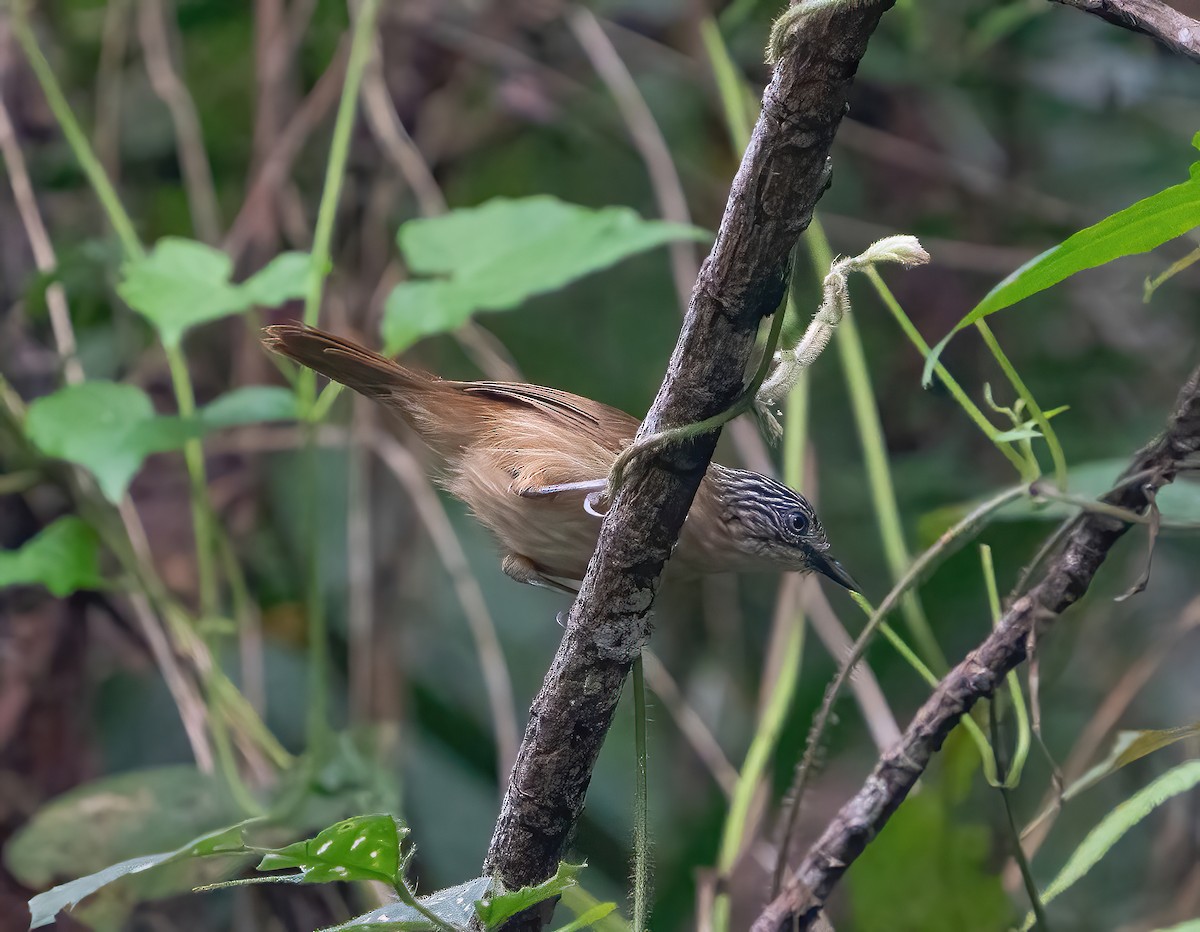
<point>991,131</point>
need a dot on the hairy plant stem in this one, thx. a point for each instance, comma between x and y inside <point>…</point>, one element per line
<point>641,820</point>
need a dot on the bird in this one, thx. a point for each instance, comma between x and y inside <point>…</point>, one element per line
<point>532,464</point>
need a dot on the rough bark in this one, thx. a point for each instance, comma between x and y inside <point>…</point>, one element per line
<point>1179,33</point>
<point>1065,579</point>
<point>782,175</point>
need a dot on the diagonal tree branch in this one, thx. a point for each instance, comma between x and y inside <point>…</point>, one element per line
<point>783,174</point>
<point>1179,33</point>
<point>1066,578</point>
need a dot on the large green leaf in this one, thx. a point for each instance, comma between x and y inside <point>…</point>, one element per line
<point>45,907</point>
<point>104,830</point>
<point>1112,827</point>
<point>63,558</point>
<point>928,871</point>
<point>108,428</point>
<point>182,283</point>
<point>1139,228</point>
<point>454,905</point>
<point>494,256</point>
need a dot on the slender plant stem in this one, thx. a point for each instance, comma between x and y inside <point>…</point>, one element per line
<point>80,148</point>
<point>783,693</point>
<point>875,458</point>
<point>973,412</point>
<point>1014,835</point>
<point>335,172</point>
<point>741,108</point>
<point>1056,451</point>
<point>641,820</point>
<point>203,526</point>
<point>924,563</point>
<point>1021,753</point>
<point>408,898</point>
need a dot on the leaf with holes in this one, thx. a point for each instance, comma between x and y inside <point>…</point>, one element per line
<point>63,557</point>
<point>182,283</point>
<point>108,428</point>
<point>362,848</point>
<point>495,256</point>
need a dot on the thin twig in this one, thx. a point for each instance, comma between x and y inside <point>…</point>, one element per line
<point>491,655</point>
<point>1065,580</point>
<point>1168,26</point>
<point>942,547</point>
<point>40,245</point>
<point>647,139</point>
<point>193,160</point>
<point>689,722</point>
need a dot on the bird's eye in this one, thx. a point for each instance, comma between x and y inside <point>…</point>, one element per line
<point>798,522</point>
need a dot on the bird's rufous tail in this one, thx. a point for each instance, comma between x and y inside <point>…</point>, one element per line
<point>420,399</point>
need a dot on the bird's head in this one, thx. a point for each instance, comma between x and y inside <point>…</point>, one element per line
<point>772,525</point>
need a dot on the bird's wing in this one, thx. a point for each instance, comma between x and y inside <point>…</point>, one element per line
<point>606,426</point>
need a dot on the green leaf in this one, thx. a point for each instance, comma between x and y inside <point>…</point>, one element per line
<point>1127,747</point>
<point>454,905</point>
<point>116,818</point>
<point>1139,228</point>
<point>494,256</point>
<point>589,918</point>
<point>1018,433</point>
<point>928,871</point>
<point>1112,827</point>
<point>502,906</point>
<point>1178,503</point>
<point>362,848</point>
<point>96,830</point>
<point>46,906</point>
<point>251,404</point>
<point>63,558</point>
<point>107,428</point>
<point>182,283</point>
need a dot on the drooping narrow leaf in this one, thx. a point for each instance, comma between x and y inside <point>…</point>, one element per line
<point>63,557</point>
<point>1138,228</point>
<point>1113,827</point>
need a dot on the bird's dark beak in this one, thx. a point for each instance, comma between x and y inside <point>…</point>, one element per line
<point>827,566</point>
